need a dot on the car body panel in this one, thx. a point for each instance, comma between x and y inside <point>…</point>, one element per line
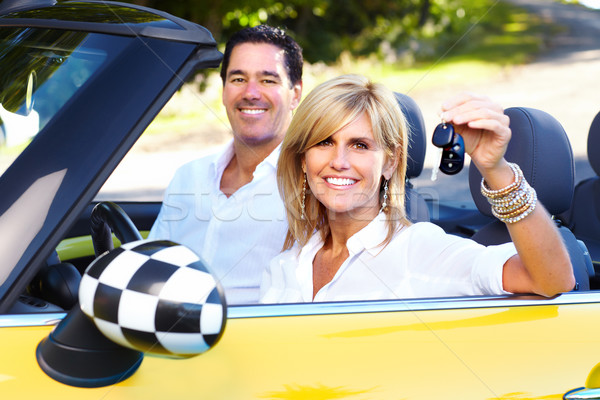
<point>512,351</point>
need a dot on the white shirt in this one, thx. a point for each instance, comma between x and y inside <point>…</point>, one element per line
<point>420,261</point>
<point>235,236</point>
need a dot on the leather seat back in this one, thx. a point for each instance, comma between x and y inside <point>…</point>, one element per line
<point>540,146</point>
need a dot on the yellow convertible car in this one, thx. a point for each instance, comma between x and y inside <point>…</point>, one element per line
<point>79,83</point>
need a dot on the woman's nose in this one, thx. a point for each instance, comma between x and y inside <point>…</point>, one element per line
<point>339,159</point>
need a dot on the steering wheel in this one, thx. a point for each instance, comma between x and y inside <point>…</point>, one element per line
<point>106,217</point>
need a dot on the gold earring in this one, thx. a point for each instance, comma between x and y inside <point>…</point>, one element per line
<point>302,215</point>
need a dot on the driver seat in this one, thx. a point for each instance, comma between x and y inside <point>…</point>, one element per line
<point>540,146</point>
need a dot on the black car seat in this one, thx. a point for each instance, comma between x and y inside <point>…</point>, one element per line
<point>583,218</point>
<point>540,146</point>
<point>416,207</point>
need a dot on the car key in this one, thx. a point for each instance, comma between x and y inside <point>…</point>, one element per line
<point>452,149</point>
<point>453,156</point>
<point>443,136</point>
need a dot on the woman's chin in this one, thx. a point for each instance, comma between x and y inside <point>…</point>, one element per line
<point>349,212</point>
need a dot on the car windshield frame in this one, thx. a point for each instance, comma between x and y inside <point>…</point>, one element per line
<point>55,166</point>
<point>106,17</point>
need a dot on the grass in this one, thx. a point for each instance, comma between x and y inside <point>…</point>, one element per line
<point>506,35</point>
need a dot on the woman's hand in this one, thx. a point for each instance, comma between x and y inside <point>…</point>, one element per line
<point>483,126</point>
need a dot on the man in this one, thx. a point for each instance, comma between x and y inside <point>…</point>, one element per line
<point>226,207</point>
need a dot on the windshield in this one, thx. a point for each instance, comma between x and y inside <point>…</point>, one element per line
<point>40,70</point>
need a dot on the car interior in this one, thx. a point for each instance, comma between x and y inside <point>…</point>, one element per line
<point>583,217</point>
<point>547,164</point>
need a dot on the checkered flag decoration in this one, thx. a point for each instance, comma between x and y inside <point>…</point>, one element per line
<point>154,296</point>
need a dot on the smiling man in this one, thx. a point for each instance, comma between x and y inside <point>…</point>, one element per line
<point>226,206</point>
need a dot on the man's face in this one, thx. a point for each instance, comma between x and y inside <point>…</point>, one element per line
<point>257,93</point>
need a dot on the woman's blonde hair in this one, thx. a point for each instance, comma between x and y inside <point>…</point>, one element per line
<point>328,108</point>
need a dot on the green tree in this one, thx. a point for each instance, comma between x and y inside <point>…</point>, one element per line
<point>325,28</point>
<point>402,31</point>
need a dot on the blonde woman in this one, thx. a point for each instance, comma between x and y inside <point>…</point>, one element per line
<point>341,174</point>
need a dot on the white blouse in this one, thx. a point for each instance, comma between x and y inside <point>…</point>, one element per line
<point>421,260</point>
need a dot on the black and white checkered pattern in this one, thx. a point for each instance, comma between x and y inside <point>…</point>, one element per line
<point>156,297</point>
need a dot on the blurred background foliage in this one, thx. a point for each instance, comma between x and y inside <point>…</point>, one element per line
<point>397,42</point>
<point>413,46</point>
<point>399,31</point>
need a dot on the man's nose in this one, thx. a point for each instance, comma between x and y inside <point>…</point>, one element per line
<point>252,91</point>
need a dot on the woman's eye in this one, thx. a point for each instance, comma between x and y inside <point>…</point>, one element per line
<point>325,142</point>
<point>360,145</point>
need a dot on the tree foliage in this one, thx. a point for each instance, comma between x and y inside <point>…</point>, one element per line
<point>402,30</point>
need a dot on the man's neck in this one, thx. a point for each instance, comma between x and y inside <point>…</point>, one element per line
<point>240,169</point>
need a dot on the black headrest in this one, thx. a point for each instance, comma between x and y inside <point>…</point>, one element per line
<point>539,145</point>
<point>417,136</point>
<point>593,145</point>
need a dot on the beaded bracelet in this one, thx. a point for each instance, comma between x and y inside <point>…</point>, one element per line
<point>515,217</point>
<point>494,194</point>
<point>513,202</point>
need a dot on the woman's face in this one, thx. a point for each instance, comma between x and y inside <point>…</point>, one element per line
<point>344,171</point>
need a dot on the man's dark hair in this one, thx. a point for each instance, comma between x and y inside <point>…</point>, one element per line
<point>270,35</point>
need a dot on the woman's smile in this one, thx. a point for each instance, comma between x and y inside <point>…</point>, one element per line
<point>339,182</point>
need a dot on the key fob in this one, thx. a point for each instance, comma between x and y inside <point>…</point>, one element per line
<point>453,145</point>
<point>453,156</point>
<point>443,135</point>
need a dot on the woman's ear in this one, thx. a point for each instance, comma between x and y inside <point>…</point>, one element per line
<point>391,164</point>
<point>303,164</point>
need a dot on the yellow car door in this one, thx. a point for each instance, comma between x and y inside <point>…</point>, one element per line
<point>468,348</point>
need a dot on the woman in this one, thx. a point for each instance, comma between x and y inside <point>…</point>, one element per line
<point>341,174</point>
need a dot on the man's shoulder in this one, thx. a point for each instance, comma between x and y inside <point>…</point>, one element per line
<point>201,164</point>
<point>199,170</point>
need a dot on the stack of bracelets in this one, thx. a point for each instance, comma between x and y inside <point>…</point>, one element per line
<point>514,202</point>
